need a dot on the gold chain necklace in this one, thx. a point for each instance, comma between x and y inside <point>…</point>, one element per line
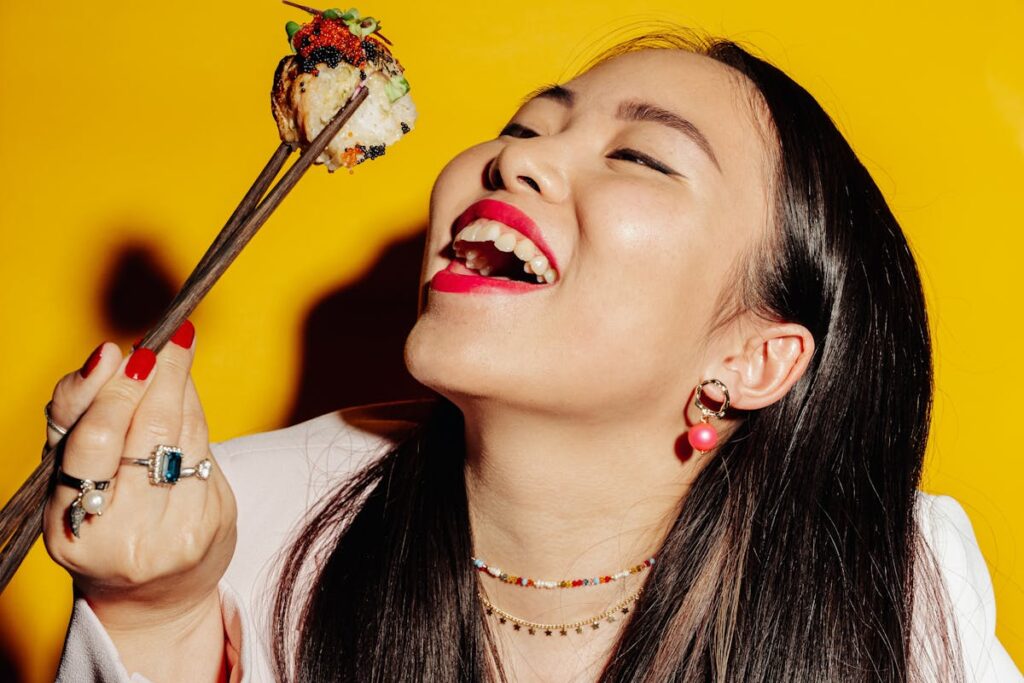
<point>532,627</point>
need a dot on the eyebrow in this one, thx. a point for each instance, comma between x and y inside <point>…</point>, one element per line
<point>642,111</point>
<point>554,92</point>
<point>635,111</point>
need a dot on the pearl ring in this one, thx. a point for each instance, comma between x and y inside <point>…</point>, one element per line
<point>91,500</point>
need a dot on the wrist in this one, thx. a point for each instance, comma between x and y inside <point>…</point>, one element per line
<point>172,642</point>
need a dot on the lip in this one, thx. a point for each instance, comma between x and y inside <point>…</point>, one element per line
<point>457,278</point>
<point>496,210</point>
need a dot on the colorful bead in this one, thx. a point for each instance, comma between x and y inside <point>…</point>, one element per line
<point>514,580</point>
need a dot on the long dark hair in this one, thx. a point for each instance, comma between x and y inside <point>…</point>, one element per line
<point>796,556</point>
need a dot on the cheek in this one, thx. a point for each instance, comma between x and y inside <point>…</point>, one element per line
<point>652,240</point>
<point>648,268</point>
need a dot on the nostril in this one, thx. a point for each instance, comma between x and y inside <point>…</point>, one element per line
<point>492,176</point>
<point>529,181</point>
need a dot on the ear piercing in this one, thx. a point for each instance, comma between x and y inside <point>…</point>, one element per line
<point>703,436</point>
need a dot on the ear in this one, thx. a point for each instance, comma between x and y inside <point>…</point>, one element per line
<point>765,365</point>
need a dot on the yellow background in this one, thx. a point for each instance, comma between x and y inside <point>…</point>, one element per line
<point>130,122</point>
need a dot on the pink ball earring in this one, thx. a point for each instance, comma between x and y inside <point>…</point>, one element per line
<point>703,436</point>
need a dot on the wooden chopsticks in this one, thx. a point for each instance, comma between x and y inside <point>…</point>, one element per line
<point>21,519</point>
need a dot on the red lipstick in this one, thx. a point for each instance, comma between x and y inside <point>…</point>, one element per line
<point>509,215</point>
<point>458,278</point>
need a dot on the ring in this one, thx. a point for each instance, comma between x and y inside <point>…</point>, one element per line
<point>91,499</point>
<point>50,423</point>
<point>165,466</point>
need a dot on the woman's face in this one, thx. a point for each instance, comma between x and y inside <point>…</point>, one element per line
<point>645,179</point>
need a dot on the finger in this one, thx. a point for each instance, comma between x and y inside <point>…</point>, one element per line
<point>194,511</point>
<point>93,450</point>
<point>194,430</point>
<point>76,390</point>
<point>195,503</point>
<point>193,497</point>
<point>158,419</point>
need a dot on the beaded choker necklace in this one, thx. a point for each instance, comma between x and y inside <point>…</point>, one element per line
<point>532,627</point>
<point>564,583</point>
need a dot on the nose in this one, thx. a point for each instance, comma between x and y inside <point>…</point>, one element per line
<point>523,166</point>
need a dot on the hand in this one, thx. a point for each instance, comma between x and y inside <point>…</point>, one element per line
<point>151,562</point>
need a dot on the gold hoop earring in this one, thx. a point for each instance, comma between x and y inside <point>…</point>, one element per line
<point>703,436</point>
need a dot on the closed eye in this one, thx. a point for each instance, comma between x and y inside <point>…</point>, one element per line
<point>516,130</point>
<point>627,154</point>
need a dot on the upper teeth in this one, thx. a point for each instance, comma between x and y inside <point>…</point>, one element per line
<point>507,240</point>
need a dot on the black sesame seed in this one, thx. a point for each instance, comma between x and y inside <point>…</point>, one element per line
<point>405,128</point>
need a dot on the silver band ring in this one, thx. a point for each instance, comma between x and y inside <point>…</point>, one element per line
<point>165,466</point>
<point>50,423</point>
<point>92,499</point>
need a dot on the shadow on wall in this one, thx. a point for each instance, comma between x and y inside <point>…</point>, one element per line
<point>353,337</point>
<point>9,670</point>
<point>136,290</point>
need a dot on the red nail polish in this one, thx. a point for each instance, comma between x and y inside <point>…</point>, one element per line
<point>184,335</point>
<point>91,362</point>
<point>140,364</point>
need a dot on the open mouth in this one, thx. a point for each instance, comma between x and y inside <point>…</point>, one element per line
<point>494,250</point>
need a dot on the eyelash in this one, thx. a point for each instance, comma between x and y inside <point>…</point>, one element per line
<point>626,154</point>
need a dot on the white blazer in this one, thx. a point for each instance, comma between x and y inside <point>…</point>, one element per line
<point>278,476</point>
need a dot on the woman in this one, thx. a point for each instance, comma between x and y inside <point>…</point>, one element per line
<point>694,451</point>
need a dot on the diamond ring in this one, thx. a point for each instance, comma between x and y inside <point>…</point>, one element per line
<point>165,466</point>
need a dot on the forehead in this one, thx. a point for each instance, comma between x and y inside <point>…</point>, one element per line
<point>719,100</point>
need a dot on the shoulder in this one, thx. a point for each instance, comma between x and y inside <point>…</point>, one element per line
<point>280,468</point>
<point>277,477</point>
<point>967,595</point>
<point>947,530</point>
<point>365,425</point>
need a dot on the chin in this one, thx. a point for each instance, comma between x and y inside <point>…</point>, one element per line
<point>462,360</point>
<point>443,359</point>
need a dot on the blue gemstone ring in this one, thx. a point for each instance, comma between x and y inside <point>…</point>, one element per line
<point>165,466</point>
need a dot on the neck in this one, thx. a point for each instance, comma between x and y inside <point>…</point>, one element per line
<point>552,499</point>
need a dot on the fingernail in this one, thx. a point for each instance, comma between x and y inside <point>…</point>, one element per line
<point>184,335</point>
<point>91,362</point>
<point>140,364</point>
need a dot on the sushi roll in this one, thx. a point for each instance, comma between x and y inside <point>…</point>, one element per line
<point>333,54</point>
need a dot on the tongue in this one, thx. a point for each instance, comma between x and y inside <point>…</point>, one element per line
<point>504,265</point>
<point>459,268</point>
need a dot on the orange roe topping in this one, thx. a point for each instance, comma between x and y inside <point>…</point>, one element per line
<point>329,33</point>
<point>351,156</point>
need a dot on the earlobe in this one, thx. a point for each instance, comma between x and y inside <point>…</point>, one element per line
<point>771,362</point>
